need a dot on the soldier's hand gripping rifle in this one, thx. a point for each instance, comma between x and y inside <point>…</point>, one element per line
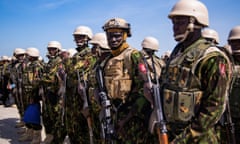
<point>157,120</point>
<point>82,85</point>
<point>107,127</point>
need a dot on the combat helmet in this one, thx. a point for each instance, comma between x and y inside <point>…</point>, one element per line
<point>100,39</point>
<point>191,8</point>
<point>234,33</point>
<point>150,43</point>
<point>83,30</point>
<point>33,52</point>
<point>118,23</point>
<point>210,34</point>
<point>54,44</point>
<point>18,51</point>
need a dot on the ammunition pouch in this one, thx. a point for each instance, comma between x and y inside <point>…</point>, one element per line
<point>181,106</point>
<point>119,88</point>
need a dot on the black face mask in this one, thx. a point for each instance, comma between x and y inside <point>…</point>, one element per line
<point>149,51</point>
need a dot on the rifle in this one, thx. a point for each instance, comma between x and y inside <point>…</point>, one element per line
<point>61,93</point>
<point>21,104</point>
<point>107,126</point>
<point>227,117</point>
<point>158,121</point>
<point>85,110</point>
<point>229,125</point>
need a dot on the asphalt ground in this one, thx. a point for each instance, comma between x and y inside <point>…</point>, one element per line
<point>8,133</point>
<point>8,119</point>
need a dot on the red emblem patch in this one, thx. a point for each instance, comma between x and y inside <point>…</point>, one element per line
<point>222,68</point>
<point>142,68</point>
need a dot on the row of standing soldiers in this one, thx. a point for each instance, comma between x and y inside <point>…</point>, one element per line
<point>111,93</point>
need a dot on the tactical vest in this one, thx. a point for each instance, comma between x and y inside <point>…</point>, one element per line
<point>31,75</point>
<point>234,97</point>
<point>182,87</point>
<point>118,75</point>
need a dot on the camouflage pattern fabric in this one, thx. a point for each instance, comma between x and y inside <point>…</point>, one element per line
<point>76,124</point>
<point>131,114</point>
<point>51,107</point>
<point>196,68</point>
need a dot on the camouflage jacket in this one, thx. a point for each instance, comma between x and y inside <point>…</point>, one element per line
<point>81,62</point>
<point>195,86</point>
<point>32,74</point>
<point>125,89</point>
<point>234,100</point>
<point>50,80</point>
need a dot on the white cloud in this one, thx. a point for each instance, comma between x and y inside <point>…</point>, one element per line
<point>55,4</point>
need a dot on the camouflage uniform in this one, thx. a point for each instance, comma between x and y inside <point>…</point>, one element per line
<point>4,82</point>
<point>234,100</point>
<point>15,78</point>
<point>192,103</point>
<point>124,86</point>
<point>51,106</point>
<point>100,50</point>
<point>76,123</point>
<point>31,80</point>
<point>131,109</point>
<point>196,80</point>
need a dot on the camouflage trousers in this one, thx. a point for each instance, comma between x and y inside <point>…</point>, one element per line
<point>52,119</point>
<point>76,123</point>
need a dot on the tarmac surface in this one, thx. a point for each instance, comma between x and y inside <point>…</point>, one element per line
<point>8,119</point>
<point>8,133</point>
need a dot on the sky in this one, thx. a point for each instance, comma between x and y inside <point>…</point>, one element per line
<point>33,23</point>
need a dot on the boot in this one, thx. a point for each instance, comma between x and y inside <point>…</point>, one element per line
<point>20,124</point>
<point>48,139</point>
<point>22,130</point>
<point>66,140</point>
<point>26,136</point>
<point>36,137</point>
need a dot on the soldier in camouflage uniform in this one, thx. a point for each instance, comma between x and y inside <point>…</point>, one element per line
<point>130,110</point>
<point>196,80</point>
<point>10,85</point>
<point>212,38</point>
<point>101,50</point>
<point>154,67</point>
<point>51,107</point>
<point>31,75</point>
<point>234,100</point>
<point>78,121</point>
<point>16,78</point>
<point>4,79</point>
<point>149,46</point>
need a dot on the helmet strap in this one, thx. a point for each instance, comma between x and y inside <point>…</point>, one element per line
<point>190,28</point>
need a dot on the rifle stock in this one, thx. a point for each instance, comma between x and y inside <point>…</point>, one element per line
<point>163,137</point>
